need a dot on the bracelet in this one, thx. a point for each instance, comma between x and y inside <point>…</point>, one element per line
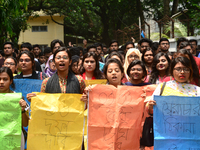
<point>23,111</point>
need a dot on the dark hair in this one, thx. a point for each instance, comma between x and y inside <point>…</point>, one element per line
<point>110,61</point>
<point>113,53</point>
<point>193,40</point>
<point>53,43</point>
<point>99,44</point>
<point>36,45</point>
<point>91,46</point>
<point>185,61</point>
<point>145,40</point>
<point>114,41</point>
<point>11,43</point>
<point>185,53</point>
<point>155,72</point>
<point>184,44</point>
<point>47,50</point>
<point>180,40</point>
<point>13,59</point>
<point>27,45</point>
<point>16,50</point>
<point>145,50</point>
<point>10,74</point>
<point>2,53</point>
<point>60,50</point>
<point>41,54</point>
<point>97,72</point>
<point>129,42</point>
<point>155,46</point>
<point>137,62</point>
<point>163,39</point>
<point>30,54</point>
<point>74,51</point>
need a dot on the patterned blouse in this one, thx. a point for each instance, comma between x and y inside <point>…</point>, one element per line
<point>63,83</point>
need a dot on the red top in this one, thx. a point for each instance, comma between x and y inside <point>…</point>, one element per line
<point>83,75</point>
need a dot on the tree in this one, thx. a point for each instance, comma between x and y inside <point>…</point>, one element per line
<point>11,14</point>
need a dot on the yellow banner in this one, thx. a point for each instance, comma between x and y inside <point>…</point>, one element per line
<point>98,81</point>
<point>56,122</point>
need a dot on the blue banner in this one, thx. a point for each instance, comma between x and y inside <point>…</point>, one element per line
<point>176,123</point>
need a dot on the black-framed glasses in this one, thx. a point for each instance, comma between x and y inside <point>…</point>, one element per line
<point>64,57</point>
<point>26,60</point>
<point>11,64</point>
<point>179,69</point>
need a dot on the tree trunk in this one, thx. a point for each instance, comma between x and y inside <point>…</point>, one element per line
<point>174,7</point>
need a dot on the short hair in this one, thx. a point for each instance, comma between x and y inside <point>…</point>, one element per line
<point>193,40</point>
<point>10,74</point>
<point>110,61</point>
<point>180,40</point>
<point>36,45</point>
<point>91,46</point>
<point>113,53</point>
<point>16,50</point>
<point>145,40</point>
<point>114,41</point>
<point>98,44</point>
<point>41,54</point>
<point>184,44</point>
<point>129,42</point>
<point>53,43</point>
<point>163,39</point>
<point>137,62</point>
<point>27,45</point>
<point>60,50</point>
<point>74,51</point>
<point>11,43</point>
<point>47,50</point>
<point>155,46</point>
<point>30,55</point>
<point>2,53</point>
<point>185,61</point>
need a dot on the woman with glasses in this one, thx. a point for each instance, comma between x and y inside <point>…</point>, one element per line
<point>50,67</point>
<point>11,63</point>
<point>160,69</point>
<point>27,66</point>
<point>131,55</point>
<point>182,71</point>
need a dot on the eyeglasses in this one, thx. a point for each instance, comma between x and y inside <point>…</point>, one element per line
<point>26,60</point>
<point>50,61</point>
<point>11,64</point>
<point>144,46</point>
<point>136,69</point>
<point>64,57</point>
<point>186,70</point>
<point>133,56</point>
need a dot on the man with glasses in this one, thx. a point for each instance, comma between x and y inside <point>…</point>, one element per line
<point>164,45</point>
<point>193,43</point>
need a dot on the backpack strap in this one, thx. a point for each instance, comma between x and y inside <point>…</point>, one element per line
<point>162,89</point>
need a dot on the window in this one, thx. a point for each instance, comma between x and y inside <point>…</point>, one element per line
<point>39,28</point>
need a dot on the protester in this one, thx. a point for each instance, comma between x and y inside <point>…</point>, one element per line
<point>36,51</point>
<point>137,73</point>
<point>11,63</point>
<point>147,58</point>
<point>74,64</point>
<point>160,69</point>
<point>27,65</point>
<point>50,67</point>
<point>90,67</point>
<point>55,44</point>
<point>6,80</point>
<point>116,55</point>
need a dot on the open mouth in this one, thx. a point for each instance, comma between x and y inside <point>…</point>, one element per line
<point>62,64</point>
<point>114,77</point>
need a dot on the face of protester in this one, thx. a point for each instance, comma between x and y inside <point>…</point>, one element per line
<point>99,50</point>
<point>8,50</point>
<point>89,64</point>
<point>5,82</point>
<point>188,48</point>
<point>52,65</point>
<point>10,63</point>
<point>75,67</point>
<point>36,51</point>
<point>79,66</point>
<point>181,73</point>
<point>62,61</point>
<point>143,46</point>
<point>93,50</point>
<point>104,50</point>
<point>162,64</point>
<point>56,46</point>
<point>47,55</point>
<point>114,46</point>
<point>114,74</point>
<point>128,47</point>
<point>164,46</point>
<point>42,59</point>
<point>132,57</point>
<point>148,57</point>
<point>136,73</point>
<point>25,63</point>
<point>194,46</point>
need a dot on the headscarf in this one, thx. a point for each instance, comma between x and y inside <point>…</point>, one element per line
<point>126,63</point>
<point>47,69</point>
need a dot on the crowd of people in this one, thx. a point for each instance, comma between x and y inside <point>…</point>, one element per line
<point>63,69</point>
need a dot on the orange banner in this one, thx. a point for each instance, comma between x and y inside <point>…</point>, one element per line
<point>115,116</point>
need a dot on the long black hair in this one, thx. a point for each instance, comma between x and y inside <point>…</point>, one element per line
<point>30,55</point>
<point>97,72</point>
<point>10,74</point>
<point>155,72</point>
